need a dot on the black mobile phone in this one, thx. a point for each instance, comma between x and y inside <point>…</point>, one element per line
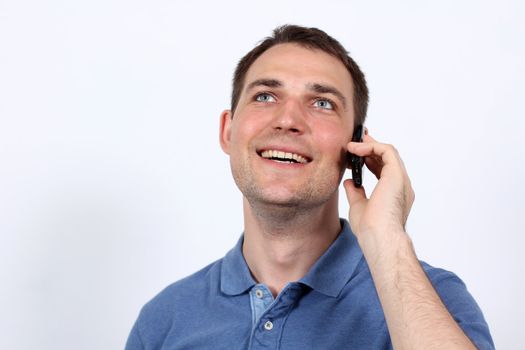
<point>357,162</point>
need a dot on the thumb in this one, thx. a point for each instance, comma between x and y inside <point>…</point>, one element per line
<point>354,194</point>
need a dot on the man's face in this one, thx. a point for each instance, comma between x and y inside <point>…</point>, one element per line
<point>287,139</point>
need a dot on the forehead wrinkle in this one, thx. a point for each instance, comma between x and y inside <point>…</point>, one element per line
<point>326,89</point>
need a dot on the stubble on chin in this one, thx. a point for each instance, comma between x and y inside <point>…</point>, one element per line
<point>312,194</point>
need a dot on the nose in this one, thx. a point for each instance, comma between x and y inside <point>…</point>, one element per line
<point>291,118</point>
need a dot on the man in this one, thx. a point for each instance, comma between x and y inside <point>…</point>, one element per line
<point>300,277</point>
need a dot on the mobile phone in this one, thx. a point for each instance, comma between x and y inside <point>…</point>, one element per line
<point>357,162</point>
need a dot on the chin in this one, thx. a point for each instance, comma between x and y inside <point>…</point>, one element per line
<point>279,198</point>
<point>285,199</point>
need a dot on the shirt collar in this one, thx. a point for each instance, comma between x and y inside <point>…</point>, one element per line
<point>328,275</point>
<point>332,271</point>
<point>235,275</point>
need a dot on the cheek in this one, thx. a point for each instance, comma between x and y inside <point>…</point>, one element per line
<point>332,139</point>
<point>245,127</point>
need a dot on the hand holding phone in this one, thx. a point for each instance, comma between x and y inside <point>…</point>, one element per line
<point>357,162</point>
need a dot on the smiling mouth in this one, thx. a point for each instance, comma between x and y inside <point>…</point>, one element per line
<point>284,157</point>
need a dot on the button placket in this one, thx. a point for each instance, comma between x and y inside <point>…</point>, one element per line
<point>270,325</point>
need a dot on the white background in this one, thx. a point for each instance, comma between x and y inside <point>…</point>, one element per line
<point>113,185</point>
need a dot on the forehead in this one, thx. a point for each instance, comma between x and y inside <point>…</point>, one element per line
<point>295,64</point>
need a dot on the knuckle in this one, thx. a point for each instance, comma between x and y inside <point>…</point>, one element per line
<point>391,148</point>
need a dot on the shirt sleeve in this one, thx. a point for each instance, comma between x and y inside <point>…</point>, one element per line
<point>461,306</point>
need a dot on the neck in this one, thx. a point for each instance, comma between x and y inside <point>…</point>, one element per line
<point>282,243</point>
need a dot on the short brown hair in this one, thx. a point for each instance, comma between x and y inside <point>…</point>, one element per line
<point>311,38</point>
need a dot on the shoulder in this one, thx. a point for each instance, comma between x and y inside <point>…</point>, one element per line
<point>187,286</point>
<point>461,305</point>
<point>450,287</point>
<point>441,277</point>
<point>176,301</point>
<point>177,293</point>
<point>455,296</point>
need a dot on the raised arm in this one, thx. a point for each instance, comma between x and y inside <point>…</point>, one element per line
<point>415,315</point>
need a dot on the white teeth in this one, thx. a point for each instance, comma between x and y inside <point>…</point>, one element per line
<point>300,159</point>
<point>284,155</point>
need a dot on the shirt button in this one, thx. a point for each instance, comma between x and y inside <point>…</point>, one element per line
<point>259,294</point>
<point>268,325</point>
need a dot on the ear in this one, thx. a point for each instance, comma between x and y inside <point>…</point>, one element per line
<point>225,130</point>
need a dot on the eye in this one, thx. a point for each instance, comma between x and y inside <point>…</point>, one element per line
<point>324,104</point>
<point>264,97</point>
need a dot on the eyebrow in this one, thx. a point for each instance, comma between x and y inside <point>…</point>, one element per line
<point>273,83</point>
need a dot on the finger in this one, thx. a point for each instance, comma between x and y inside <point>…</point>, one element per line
<point>375,165</point>
<point>354,194</point>
<point>387,153</point>
<point>368,138</point>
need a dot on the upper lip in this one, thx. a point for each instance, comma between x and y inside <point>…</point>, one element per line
<point>285,149</point>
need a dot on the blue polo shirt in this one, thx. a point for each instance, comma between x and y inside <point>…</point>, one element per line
<point>335,306</point>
